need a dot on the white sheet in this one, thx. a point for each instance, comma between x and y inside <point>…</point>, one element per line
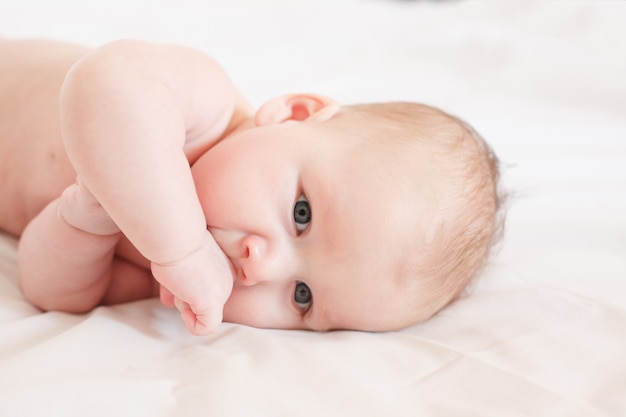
<point>543,332</point>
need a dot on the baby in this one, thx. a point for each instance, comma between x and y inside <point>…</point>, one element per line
<point>136,170</point>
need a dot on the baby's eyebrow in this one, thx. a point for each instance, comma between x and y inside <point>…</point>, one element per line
<point>326,219</point>
<point>327,229</point>
<point>312,322</point>
<point>318,317</point>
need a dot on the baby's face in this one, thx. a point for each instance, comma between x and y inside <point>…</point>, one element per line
<point>313,231</point>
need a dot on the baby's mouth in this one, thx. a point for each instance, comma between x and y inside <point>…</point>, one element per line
<point>225,239</point>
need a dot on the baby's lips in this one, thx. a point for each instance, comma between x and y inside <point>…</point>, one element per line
<point>240,277</point>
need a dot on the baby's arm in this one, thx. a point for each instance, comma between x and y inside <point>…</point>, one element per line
<point>129,111</point>
<point>66,253</point>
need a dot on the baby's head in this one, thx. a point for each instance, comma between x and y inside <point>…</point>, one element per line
<point>449,177</point>
<point>367,217</point>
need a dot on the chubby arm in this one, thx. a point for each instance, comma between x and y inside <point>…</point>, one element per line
<point>128,110</point>
<point>66,253</point>
<point>133,114</point>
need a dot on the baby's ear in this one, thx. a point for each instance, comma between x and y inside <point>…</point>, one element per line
<point>298,107</point>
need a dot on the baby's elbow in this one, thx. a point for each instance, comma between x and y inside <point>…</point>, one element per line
<point>104,73</point>
<point>87,87</point>
<point>103,93</point>
<point>35,294</point>
<point>37,299</point>
<point>45,298</point>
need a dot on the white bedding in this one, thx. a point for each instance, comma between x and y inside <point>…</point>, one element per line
<point>542,333</point>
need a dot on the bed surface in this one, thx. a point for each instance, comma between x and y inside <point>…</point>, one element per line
<point>541,333</point>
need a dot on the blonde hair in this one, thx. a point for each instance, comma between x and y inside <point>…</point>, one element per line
<point>468,218</point>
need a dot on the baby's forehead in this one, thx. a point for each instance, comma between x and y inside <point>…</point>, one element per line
<point>365,242</point>
<point>372,296</point>
<point>429,180</point>
<point>363,292</point>
<point>368,187</point>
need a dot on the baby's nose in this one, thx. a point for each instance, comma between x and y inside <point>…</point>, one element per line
<point>253,258</point>
<point>260,262</point>
<point>255,248</point>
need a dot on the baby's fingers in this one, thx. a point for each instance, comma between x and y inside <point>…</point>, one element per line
<point>80,209</point>
<point>167,298</point>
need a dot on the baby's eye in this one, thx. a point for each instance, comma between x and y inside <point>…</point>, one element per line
<point>302,214</point>
<point>302,295</point>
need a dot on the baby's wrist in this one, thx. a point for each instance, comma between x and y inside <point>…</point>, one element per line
<point>207,265</point>
<point>80,210</point>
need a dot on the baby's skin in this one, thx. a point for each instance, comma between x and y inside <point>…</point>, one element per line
<point>133,117</point>
<point>138,169</point>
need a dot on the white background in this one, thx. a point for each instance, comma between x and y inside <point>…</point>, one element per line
<point>543,332</point>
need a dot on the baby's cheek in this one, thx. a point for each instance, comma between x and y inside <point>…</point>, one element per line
<point>239,308</point>
<point>258,306</point>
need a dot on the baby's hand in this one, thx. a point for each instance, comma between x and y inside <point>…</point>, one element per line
<point>198,285</point>
<point>80,209</point>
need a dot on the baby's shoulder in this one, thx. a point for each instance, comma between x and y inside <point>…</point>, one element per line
<point>213,129</point>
